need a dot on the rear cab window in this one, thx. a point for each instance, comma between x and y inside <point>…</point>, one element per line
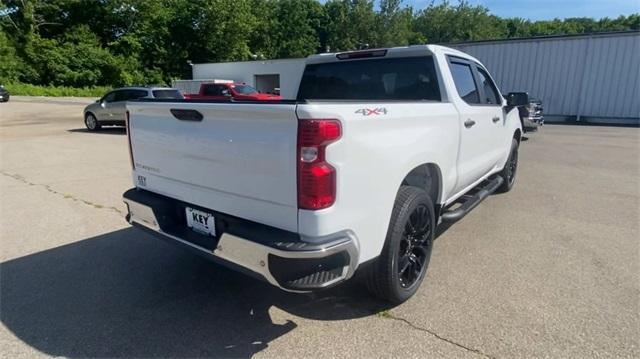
<point>404,79</point>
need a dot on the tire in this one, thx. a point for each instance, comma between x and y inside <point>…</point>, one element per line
<point>510,169</point>
<point>397,273</point>
<point>91,122</point>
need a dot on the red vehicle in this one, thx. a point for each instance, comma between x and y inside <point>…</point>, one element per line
<point>228,90</point>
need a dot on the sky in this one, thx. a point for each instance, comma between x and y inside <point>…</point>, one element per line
<point>550,9</point>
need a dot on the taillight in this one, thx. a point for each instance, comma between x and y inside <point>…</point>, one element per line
<point>316,177</point>
<point>133,166</point>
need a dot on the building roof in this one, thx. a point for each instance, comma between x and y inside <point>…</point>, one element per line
<point>546,37</point>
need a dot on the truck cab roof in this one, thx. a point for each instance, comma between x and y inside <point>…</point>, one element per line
<point>400,51</point>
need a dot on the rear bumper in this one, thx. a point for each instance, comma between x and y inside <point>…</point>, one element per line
<point>276,256</point>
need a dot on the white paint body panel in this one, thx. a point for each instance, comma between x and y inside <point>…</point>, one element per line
<point>241,159</point>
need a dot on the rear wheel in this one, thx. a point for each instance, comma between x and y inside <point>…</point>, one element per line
<point>397,274</point>
<point>91,122</point>
<point>510,169</point>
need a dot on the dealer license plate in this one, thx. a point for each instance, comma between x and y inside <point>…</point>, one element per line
<point>201,222</point>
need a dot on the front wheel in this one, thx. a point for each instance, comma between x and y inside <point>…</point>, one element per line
<point>398,272</point>
<point>91,122</point>
<point>510,169</point>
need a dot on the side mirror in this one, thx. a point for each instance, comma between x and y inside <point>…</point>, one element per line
<point>515,99</point>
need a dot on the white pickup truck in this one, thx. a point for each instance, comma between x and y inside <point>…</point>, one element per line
<point>379,148</point>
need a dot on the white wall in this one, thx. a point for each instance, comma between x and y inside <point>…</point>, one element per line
<point>290,71</point>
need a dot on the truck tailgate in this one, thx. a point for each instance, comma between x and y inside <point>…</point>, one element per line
<point>239,159</point>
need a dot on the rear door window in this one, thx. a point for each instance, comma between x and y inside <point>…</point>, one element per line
<point>407,78</point>
<point>214,90</point>
<point>465,82</point>
<point>136,94</point>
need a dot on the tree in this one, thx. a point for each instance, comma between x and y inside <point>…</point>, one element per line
<point>118,42</point>
<point>296,30</point>
<point>395,25</point>
<point>349,25</point>
<point>10,64</point>
<point>444,23</point>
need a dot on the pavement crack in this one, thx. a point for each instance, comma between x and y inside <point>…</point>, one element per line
<point>74,198</point>
<point>387,314</point>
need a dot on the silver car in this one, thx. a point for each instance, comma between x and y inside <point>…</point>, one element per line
<point>110,110</point>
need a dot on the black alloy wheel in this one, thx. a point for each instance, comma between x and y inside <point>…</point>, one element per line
<point>415,247</point>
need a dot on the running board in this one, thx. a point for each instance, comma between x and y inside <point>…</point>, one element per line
<point>470,201</point>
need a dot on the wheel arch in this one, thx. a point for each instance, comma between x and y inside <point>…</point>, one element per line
<point>427,176</point>
<point>517,135</point>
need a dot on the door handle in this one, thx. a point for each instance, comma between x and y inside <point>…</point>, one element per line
<point>496,119</point>
<point>469,123</point>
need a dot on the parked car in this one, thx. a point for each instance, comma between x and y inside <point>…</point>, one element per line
<point>110,109</point>
<point>228,90</point>
<point>4,94</point>
<point>379,148</point>
<point>531,115</point>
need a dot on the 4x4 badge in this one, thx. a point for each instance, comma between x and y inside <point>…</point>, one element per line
<point>372,111</point>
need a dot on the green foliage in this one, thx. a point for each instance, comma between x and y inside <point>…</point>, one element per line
<point>462,22</point>
<point>348,25</point>
<point>89,43</point>
<point>10,63</point>
<point>296,27</point>
<point>20,89</point>
<point>75,59</point>
<point>394,25</point>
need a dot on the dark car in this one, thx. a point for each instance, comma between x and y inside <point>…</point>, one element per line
<point>4,94</point>
<point>531,115</point>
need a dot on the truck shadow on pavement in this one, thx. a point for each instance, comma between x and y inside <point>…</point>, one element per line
<point>126,294</point>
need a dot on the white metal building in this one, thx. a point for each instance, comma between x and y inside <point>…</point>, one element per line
<point>264,75</point>
<point>587,78</point>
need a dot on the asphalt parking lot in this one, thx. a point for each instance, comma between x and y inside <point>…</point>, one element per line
<point>551,269</point>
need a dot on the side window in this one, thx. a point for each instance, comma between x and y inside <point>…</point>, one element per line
<point>221,90</point>
<point>213,90</point>
<point>208,90</point>
<point>110,97</point>
<point>490,92</point>
<point>136,94</point>
<point>465,83</point>
<point>121,95</point>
